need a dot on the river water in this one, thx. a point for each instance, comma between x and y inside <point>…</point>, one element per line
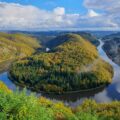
<point>107,94</point>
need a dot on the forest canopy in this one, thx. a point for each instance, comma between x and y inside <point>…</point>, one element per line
<point>72,64</point>
<point>19,106</point>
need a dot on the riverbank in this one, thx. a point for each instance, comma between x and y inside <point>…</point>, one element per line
<point>4,65</point>
<point>67,69</point>
<point>106,94</point>
<point>33,107</point>
<point>102,86</point>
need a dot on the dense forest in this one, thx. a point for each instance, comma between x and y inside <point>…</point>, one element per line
<point>16,45</point>
<point>72,64</point>
<point>19,106</point>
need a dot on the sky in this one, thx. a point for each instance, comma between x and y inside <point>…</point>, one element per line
<point>59,15</point>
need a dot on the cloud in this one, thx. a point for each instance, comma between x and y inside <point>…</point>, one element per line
<point>16,16</point>
<point>27,17</point>
<point>92,13</point>
<point>110,8</point>
<point>59,11</point>
<point>105,5</point>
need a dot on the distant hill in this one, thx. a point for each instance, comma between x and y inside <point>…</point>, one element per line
<point>101,34</point>
<point>72,64</point>
<point>16,45</point>
<point>60,39</point>
<point>112,47</point>
<point>46,37</point>
<point>90,37</point>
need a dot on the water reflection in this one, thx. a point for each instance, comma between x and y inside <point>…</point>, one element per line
<point>5,79</point>
<point>108,94</point>
<point>73,97</point>
<point>112,92</point>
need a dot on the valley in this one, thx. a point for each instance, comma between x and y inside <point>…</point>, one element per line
<point>72,64</point>
<point>29,66</point>
<point>59,60</point>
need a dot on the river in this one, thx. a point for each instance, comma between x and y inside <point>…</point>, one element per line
<point>107,94</point>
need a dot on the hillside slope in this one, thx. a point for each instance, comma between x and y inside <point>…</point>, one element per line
<point>112,47</point>
<point>71,65</point>
<point>90,37</point>
<point>19,106</point>
<point>60,38</point>
<point>14,45</point>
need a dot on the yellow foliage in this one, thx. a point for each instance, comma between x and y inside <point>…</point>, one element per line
<point>61,112</point>
<point>71,66</point>
<point>88,105</point>
<point>59,116</point>
<point>61,109</point>
<point>13,45</point>
<point>3,87</point>
<point>44,101</point>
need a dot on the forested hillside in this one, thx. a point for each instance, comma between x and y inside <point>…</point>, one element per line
<point>72,64</point>
<point>112,47</point>
<point>90,37</point>
<point>16,45</point>
<point>49,39</point>
<point>19,106</point>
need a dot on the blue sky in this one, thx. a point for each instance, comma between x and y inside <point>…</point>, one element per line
<point>71,6</point>
<point>59,14</point>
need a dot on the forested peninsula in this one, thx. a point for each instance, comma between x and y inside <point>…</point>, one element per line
<point>72,64</point>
